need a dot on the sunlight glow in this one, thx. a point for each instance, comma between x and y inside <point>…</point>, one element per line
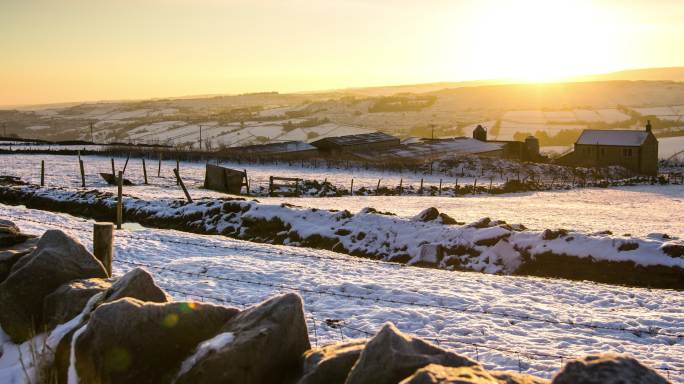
<point>542,41</point>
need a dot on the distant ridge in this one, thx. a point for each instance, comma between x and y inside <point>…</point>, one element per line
<point>645,74</point>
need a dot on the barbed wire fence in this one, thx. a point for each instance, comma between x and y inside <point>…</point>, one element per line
<point>316,323</point>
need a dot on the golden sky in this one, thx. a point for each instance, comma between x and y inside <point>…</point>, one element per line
<point>75,50</point>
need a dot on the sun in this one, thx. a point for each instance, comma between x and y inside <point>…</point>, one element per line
<point>541,41</point>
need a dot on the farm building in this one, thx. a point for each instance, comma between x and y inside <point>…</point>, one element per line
<point>634,150</point>
<point>436,149</point>
<point>527,150</point>
<point>362,142</point>
<point>284,150</point>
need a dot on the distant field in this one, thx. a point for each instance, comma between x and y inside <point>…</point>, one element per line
<point>668,146</point>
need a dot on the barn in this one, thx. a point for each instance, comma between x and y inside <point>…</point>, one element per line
<point>632,149</point>
<point>362,142</point>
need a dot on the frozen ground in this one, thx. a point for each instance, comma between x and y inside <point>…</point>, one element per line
<point>638,210</point>
<point>505,322</point>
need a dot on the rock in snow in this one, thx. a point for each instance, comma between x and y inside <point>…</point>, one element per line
<point>56,260</point>
<point>607,368</point>
<point>130,341</point>
<point>331,364</point>
<point>68,300</point>
<point>269,340</point>
<point>11,235</point>
<point>476,374</point>
<point>391,356</point>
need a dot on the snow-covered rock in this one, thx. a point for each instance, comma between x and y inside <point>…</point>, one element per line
<point>330,364</point>
<point>391,356</point>
<point>607,368</point>
<point>130,341</point>
<point>266,346</point>
<point>57,259</point>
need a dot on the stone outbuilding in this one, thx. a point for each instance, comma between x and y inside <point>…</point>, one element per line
<point>632,149</point>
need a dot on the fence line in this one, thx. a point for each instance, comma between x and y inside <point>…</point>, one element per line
<point>635,331</point>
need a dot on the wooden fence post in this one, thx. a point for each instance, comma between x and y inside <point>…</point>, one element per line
<point>103,244</point>
<point>401,187</point>
<point>421,186</point>
<point>177,171</point>
<point>144,170</point>
<point>126,163</point>
<point>351,189</point>
<point>42,173</point>
<point>113,171</point>
<point>159,169</point>
<point>270,185</point>
<point>475,186</point>
<point>440,188</point>
<point>119,200</point>
<point>180,181</point>
<point>80,164</point>
<point>377,189</point>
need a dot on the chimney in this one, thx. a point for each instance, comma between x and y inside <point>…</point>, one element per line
<point>648,125</point>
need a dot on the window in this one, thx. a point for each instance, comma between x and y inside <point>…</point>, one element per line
<point>627,152</point>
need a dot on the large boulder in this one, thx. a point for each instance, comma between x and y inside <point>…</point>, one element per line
<point>391,356</point>
<point>475,374</point>
<point>136,283</point>
<point>11,235</point>
<point>67,301</point>
<point>56,260</point>
<point>267,344</point>
<point>608,368</point>
<point>331,363</point>
<point>130,341</point>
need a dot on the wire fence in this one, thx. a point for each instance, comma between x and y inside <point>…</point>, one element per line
<point>652,331</point>
<point>339,324</point>
<point>345,324</point>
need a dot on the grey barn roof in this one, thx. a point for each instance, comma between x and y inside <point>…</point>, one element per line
<point>431,149</point>
<point>625,138</point>
<point>349,140</point>
<point>282,147</point>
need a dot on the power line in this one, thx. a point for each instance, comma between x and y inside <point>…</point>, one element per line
<point>635,331</point>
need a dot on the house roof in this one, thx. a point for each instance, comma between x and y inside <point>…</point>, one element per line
<point>626,138</point>
<point>349,140</point>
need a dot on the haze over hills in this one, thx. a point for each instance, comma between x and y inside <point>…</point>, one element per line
<point>648,74</point>
<point>555,112</point>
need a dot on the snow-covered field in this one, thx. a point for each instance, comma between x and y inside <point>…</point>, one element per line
<point>668,146</point>
<point>638,210</point>
<point>506,322</point>
<point>575,115</point>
